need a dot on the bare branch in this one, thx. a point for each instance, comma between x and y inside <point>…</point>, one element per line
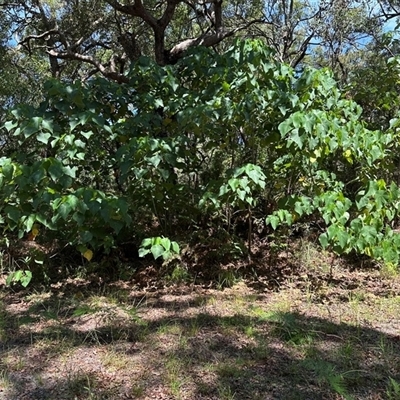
<point>135,10</point>
<point>168,14</point>
<point>44,36</point>
<point>207,40</point>
<point>68,55</point>
<point>303,51</point>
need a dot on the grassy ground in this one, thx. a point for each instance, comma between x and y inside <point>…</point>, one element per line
<point>312,337</point>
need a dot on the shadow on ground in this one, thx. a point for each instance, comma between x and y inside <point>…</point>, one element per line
<point>185,351</point>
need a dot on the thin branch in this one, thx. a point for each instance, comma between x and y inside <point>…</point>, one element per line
<point>43,35</point>
<point>68,55</point>
<point>303,50</point>
<point>388,16</point>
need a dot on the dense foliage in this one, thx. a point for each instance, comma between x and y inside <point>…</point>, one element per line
<point>209,140</point>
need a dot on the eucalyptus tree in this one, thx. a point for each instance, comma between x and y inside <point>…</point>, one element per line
<point>80,38</point>
<point>85,37</point>
<point>323,33</point>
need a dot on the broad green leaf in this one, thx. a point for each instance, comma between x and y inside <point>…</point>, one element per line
<point>87,135</point>
<point>175,247</point>
<point>79,143</point>
<point>273,220</point>
<point>147,242</point>
<point>56,171</point>
<point>13,213</point>
<point>342,237</point>
<point>157,250</point>
<point>323,239</point>
<point>7,171</point>
<point>158,103</point>
<point>73,124</point>
<point>10,125</point>
<point>86,236</point>
<point>29,222</point>
<point>64,210</point>
<point>285,127</point>
<point>296,138</point>
<point>143,252</point>
<point>26,278</point>
<point>166,243</point>
<point>48,125</point>
<point>43,137</point>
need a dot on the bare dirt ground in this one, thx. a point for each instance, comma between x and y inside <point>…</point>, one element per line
<point>312,336</point>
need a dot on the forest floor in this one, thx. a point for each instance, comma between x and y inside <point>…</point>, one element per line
<point>311,336</point>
